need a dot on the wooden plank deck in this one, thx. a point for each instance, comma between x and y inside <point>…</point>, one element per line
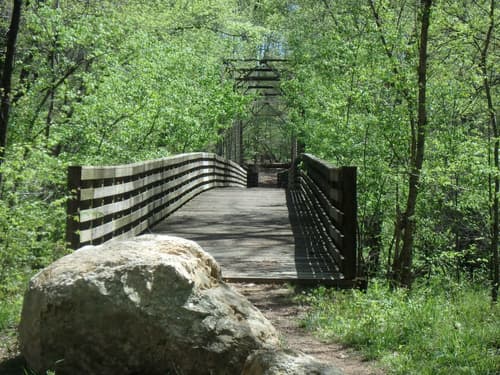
<point>250,234</point>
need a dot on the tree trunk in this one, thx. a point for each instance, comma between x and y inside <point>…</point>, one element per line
<point>5,82</point>
<point>373,241</point>
<point>52,91</point>
<point>496,164</point>
<point>403,263</point>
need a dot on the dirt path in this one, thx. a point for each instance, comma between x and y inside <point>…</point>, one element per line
<point>276,303</point>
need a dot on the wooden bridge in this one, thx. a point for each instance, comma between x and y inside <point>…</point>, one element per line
<point>303,231</point>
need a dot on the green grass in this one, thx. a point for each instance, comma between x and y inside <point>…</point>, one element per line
<point>436,329</point>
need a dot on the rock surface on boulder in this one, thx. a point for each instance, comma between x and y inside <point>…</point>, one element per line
<point>150,305</point>
<point>281,362</point>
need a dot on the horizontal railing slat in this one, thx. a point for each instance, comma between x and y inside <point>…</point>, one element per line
<point>330,172</point>
<point>124,200</point>
<point>143,212</point>
<point>326,187</point>
<point>128,170</point>
<point>333,212</point>
<point>309,230</point>
<point>329,226</point>
<point>320,229</point>
<point>127,187</point>
<point>115,207</point>
<point>328,195</point>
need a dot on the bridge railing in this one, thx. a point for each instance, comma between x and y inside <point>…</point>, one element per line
<point>125,200</point>
<point>327,203</point>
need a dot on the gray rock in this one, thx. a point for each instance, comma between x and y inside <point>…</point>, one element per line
<point>281,362</point>
<point>149,305</point>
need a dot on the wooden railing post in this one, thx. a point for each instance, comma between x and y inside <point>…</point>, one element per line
<point>73,207</point>
<point>349,208</point>
<point>215,160</point>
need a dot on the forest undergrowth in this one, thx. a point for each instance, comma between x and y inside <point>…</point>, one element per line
<point>436,328</point>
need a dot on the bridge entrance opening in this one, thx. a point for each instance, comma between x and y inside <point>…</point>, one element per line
<point>262,142</point>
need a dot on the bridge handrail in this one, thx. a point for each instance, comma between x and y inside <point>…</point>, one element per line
<point>327,195</point>
<point>125,200</point>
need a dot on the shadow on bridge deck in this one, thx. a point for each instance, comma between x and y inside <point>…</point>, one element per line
<point>253,236</point>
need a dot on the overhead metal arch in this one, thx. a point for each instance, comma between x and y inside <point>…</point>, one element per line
<point>260,78</point>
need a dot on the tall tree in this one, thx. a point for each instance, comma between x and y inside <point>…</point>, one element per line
<point>402,273</point>
<point>6,79</point>
<point>402,267</point>
<point>483,63</point>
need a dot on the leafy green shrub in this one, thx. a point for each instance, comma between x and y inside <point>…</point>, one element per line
<point>32,215</point>
<point>10,309</point>
<point>433,329</point>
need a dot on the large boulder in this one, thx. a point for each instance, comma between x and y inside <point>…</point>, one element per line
<point>149,305</point>
<point>281,362</point>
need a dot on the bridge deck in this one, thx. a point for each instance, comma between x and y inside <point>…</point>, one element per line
<point>250,234</point>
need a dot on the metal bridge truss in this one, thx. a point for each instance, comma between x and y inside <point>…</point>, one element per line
<point>261,79</point>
